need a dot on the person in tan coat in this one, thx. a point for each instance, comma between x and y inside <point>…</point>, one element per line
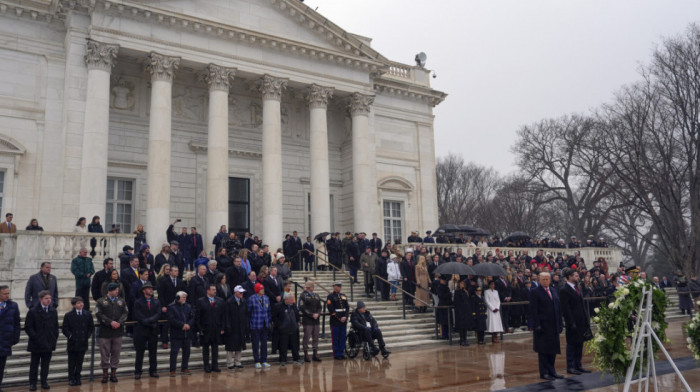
<point>8,226</point>
<point>423,281</point>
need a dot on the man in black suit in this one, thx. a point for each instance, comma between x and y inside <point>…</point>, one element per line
<point>41,325</point>
<point>236,274</point>
<point>376,244</point>
<point>408,276</point>
<point>78,326</point>
<point>100,277</point>
<point>210,317</point>
<point>147,312</point>
<point>197,286</point>
<point>545,314</point>
<point>249,285</point>
<point>273,289</point>
<point>167,290</point>
<point>577,324</point>
<point>293,247</point>
<point>308,255</point>
<point>196,247</point>
<point>505,294</point>
<point>665,283</point>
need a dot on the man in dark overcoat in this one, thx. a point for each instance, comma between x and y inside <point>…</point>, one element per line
<point>236,327</point>
<point>147,312</point>
<point>210,317</point>
<point>77,327</point>
<point>43,280</point>
<point>41,325</point>
<point>578,328</point>
<point>545,314</point>
<point>335,250</point>
<point>9,327</point>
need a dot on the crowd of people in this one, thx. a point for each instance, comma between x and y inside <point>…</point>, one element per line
<point>182,297</point>
<point>522,241</point>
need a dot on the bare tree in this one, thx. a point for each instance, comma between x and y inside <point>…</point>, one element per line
<point>463,188</point>
<point>552,155</point>
<point>651,142</point>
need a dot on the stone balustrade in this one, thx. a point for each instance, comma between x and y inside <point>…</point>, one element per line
<point>613,256</point>
<point>22,253</point>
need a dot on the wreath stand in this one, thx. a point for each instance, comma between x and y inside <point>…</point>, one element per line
<point>642,344</point>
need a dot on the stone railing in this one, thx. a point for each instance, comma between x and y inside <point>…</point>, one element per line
<point>613,256</point>
<point>22,253</point>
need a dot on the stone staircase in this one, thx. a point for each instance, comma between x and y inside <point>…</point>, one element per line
<point>417,329</point>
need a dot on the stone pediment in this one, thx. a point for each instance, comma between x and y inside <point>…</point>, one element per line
<point>288,20</point>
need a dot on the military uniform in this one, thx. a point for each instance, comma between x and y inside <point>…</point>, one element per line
<point>338,307</point>
<point>109,310</point>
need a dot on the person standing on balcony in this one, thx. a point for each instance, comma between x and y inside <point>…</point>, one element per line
<point>8,226</point>
<point>9,327</point>
<point>38,283</point>
<point>82,268</point>
<point>41,325</point>
<point>34,226</point>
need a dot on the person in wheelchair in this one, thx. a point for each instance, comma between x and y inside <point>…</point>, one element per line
<point>366,327</point>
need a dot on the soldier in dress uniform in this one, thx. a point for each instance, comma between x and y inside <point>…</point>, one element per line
<point>339,309</point>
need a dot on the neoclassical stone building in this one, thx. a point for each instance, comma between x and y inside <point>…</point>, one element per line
<point>259,114</point>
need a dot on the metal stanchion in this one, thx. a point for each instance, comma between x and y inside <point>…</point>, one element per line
<point>92,354</point>
<point>323,322</point>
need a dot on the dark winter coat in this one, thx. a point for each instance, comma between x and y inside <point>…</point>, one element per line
<point>211,320</point>
<point>464,317</point>
<point>78,329</point>
<point>445,299</point>
<point>42,329</point>
<point>545,313</point>
<point>9,328</point>
<point>236,324</point>
<point>179,315</point>
<point>480,313</point>
<point>147,320</point>
<point>575,319</point>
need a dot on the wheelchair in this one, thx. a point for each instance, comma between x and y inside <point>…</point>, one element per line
<point>355,343</point>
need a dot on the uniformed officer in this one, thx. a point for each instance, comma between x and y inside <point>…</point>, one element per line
<point>111,314</point>
<point>339,309</point>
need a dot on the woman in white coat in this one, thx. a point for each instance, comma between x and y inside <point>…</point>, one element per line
<point>493,303</point>
<point>394,274</point>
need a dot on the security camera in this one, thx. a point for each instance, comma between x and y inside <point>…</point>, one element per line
<point>434,75</point>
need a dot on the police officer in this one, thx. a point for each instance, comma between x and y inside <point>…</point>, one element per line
<point>339,309</point>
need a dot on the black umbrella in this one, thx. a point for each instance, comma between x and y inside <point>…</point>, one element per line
<point>516,236</point>
<point>479,233</point>
<point>448,228</point>
<point>488,269</point>
<point>467,228</point>
<point>320,236</point>
<point>454,268</point>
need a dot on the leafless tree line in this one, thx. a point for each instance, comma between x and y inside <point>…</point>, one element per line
<point>629,170</point>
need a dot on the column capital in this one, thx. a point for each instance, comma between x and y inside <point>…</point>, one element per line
<point>100,55</point>
<point>360,104</point>
<point>272,87</point>
<point>218,77</point>
<point>162,67</point>
<point>318,96</point>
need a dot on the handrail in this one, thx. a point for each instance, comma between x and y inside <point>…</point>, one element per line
<point>402,290</point>
<point>352,280</point>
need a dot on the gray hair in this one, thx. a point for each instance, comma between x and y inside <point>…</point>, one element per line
<point>212,262</point>
<point>287,295</point>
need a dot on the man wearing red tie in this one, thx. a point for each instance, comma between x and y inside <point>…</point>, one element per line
<point>8,226</point>
<point>210,319</point>
<point>578,328</point>
<point>545,314</point>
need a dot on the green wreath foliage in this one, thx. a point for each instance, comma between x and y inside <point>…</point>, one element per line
<point>611,343</point>
<point>693,339</point>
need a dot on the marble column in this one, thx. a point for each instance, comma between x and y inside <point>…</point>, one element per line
<point>93,179</point>
<point>218,78</point>
<point>271,89</point>
<point>317,97</point>
<point>162,69</point>
<point>364,177</point>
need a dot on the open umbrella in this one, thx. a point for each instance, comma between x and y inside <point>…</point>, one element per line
<point>448,228</point>
<point>488,269</point>
<point>454,268</point>
<point>516,236</point>
<point>467,228</point>
<point>320,236</point>
<point>479,233</point>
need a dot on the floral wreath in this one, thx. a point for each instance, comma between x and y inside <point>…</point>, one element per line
<point>693,330</point>
<point>615,327</point>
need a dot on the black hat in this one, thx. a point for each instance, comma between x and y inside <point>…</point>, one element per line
<point>630,266</point>
<point>360,305</point>
<point>428,232</point>
<point>147,285</point>
<point>112,286</point>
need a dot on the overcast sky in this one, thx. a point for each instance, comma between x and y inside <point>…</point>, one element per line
<point>509,63</point>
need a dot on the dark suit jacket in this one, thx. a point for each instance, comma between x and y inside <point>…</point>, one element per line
<point>127,277</point>
<point>42,329</point>
<point>249,288</point>
<point>78,329</point>
<point>35,284</point>
<point>196,289</point>
<point>167,291</point>
<point>572,307</point>
<point>376,245</point>
<point>273,288</point>
<point>545,313</point>
<point>211,320</point>
<point>147,320</point>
